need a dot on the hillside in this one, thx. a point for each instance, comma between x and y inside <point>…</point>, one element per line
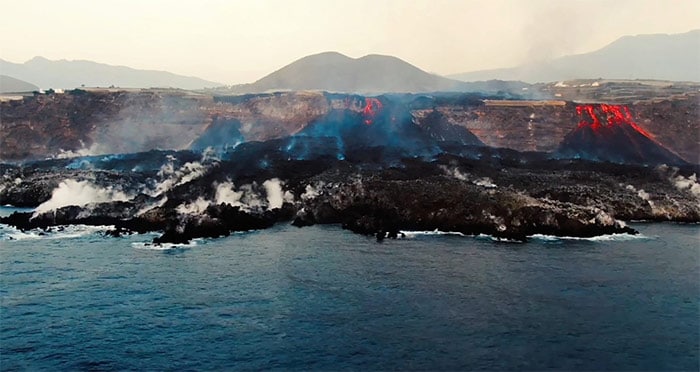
<point>336,72</point>
<point>71,74</point>
<point>659,56</point>
<point>9,84</point>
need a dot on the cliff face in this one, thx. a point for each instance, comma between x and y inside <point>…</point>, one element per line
<point>542,125</point>
<point>512,124</point>
<point>97,122</point>
<point>675,123</point>
<point>46,124</point>
<point>100,122</point>
<point>269,116</point>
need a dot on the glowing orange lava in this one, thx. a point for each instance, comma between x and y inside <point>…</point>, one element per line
<point>613,114</point>
<point>372,107</point>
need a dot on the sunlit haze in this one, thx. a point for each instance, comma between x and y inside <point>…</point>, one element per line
<point>239,42</point>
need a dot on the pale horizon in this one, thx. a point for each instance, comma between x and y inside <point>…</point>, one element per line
<point>240,43</point>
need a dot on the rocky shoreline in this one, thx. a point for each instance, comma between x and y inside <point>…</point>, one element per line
<point>501,193</point>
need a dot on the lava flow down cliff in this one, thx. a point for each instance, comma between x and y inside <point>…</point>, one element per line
<point>609,133</point>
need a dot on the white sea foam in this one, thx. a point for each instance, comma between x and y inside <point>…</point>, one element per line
<point>413,234</point>
<point>600,238</point>
<point>56,232</point>
<point>163,246</point>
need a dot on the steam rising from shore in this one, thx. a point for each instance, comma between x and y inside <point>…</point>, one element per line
<point>174,177</point>
<point>79,193</point>
<point>273,189</point>
<point>681,182</point>
<point>226,194</point>
<point>197,207</point>
<point>247,197</point>
<point>689,183</point>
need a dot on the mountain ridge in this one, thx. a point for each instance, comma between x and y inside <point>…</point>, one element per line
<point>8,84</point>
<point>673,57</point>
<point>68,74</point>
<point>372,73</point>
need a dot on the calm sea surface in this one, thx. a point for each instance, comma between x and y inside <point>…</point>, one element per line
<point>322,298</point>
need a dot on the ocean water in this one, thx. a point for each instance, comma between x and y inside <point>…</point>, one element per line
<point>320,298</point>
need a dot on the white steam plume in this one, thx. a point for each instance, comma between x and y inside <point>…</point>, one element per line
<point>312,192</point>
<point>275,196</point>
<point>226,194</point>
<point>83,151</point>
<point>689,183</point>
<point>79,193</point>
<point>641,194</point>
<point>250,199</point>
<point>147,208</point>
<point>485,182</point>
<point>454,172</point>
<point>196,207</point>
<point>247,198</point>
<point>175,177</point>
<point>288,197</point>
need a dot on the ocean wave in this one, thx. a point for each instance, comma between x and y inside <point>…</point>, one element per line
<point>163,246</point>
<point>541,237</point>
<point>599,238</point>
<point>58,232</point>
<point>413,234</point>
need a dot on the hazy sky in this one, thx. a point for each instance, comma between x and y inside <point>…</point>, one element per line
<point>241,41</point>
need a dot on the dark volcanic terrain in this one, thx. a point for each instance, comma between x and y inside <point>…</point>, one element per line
<point>466,162</point>
<point>473,190</point>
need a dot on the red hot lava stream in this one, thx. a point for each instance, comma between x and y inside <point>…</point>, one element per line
<point>372,107</point>
<point>614,115</point>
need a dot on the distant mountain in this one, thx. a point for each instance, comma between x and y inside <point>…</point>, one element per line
<point>71,74</point>
<point>373,73</point>
<point>660,56</point>
<point>9,84</point>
